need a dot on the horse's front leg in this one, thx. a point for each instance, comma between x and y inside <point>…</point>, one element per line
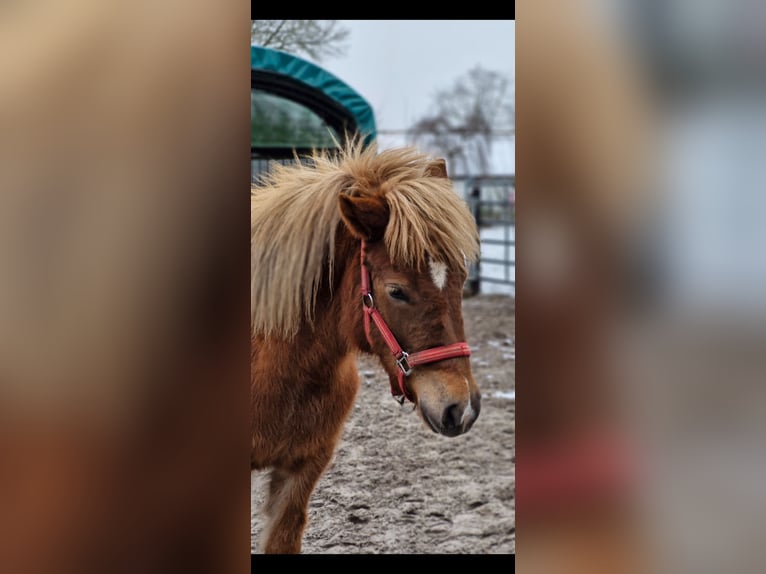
<point>287,504</point>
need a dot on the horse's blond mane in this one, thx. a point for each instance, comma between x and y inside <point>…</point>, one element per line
<point>294,217</point>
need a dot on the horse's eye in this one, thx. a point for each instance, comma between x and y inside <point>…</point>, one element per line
<point>397,293</point>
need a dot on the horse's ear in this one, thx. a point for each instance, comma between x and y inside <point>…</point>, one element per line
<point>437,168</point>
<point>365,217</point>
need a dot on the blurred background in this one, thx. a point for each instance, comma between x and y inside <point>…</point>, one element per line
<point>642,303</point>
<point>123,287</point>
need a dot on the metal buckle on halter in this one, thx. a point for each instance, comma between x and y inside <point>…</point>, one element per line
<point>404,364</point>
<point>367,300</point>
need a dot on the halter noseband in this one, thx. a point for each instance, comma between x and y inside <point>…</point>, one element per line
<point>404,361</point>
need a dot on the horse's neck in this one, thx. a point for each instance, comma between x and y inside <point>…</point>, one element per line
<point>337,327</point>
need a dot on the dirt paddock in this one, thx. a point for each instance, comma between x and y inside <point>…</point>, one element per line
<point>396,487</point>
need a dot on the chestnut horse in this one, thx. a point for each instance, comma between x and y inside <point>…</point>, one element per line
<point>355,252</point>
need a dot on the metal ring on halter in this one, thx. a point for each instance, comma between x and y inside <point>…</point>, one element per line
<point>367,300</point>
<point>404,364</point>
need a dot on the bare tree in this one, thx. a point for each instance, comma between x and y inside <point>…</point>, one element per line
<point>316,39</point>
<point>466,117</point>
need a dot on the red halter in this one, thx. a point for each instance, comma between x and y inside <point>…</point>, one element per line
<point>404,361</point>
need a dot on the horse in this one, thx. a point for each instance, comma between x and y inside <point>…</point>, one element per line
<point>352,252</point>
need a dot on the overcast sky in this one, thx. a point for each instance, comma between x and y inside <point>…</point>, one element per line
<point>398,65</point>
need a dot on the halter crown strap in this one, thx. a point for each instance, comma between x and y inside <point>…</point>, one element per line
<point>404,361</point>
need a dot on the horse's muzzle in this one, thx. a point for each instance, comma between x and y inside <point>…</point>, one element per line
<point>454,418</point>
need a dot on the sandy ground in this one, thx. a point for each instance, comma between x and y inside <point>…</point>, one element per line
<point>397,487</point>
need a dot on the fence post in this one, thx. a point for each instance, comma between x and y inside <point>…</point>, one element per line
<point>475,201</point>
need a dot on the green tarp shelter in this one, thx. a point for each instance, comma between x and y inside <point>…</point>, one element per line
<point>296,105</point>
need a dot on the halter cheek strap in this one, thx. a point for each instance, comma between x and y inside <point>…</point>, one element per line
<point>404,361</point>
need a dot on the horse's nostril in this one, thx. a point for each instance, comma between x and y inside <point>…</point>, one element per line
<point>451,417</point>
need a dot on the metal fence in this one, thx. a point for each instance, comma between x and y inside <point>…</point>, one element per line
<point>492,202</point>
<point>260,166</point>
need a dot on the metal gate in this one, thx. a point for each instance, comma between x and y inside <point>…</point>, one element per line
<point>492,202</point>
<point>261,165</point>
